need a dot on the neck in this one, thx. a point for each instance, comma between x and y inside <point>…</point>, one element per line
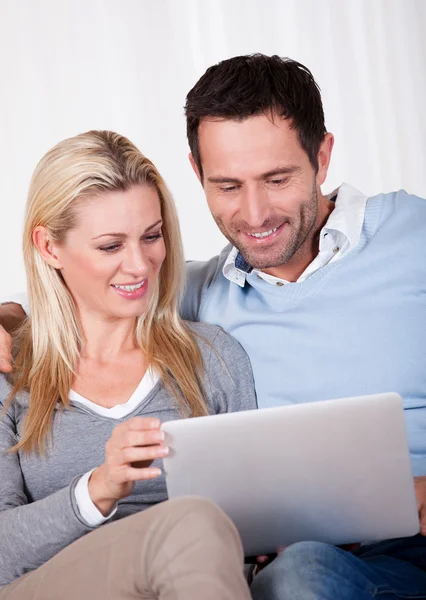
<point>106,338</point>
<point>302,258</point>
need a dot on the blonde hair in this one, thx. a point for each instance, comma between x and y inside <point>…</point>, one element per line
<point>50,341</point>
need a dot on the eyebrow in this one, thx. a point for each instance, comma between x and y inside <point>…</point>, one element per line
<point>123,235</point>
<point>290,170</point>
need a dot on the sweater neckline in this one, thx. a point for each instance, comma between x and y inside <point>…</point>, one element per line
<point>119,411</point>
<point>294,291</point>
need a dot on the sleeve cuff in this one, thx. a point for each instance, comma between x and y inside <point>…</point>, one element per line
<point>86,507</point>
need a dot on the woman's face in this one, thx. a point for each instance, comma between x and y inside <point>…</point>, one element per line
<point>111,259</point>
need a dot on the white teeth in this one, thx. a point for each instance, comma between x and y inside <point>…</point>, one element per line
<point>130,288</point>
<point>264,234</point>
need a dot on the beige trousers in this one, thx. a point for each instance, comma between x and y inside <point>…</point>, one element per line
<point>183,549</point>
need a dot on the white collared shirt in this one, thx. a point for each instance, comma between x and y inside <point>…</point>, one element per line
<point>339,236</point>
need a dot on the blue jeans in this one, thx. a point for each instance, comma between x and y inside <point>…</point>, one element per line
<point>316,571</point>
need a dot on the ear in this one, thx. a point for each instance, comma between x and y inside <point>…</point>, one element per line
<point>195,167</point>
<point>324,157</point>
<point>42,241</point>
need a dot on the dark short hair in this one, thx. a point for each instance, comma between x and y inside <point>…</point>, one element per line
<point>243,86</point>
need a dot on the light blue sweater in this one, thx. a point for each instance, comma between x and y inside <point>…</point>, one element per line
<point>356,326</point>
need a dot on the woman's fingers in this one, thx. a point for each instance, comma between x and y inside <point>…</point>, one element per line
<point>139,431</point>
<point>131,438</point>
<point>129,452</point>
<point>144,453</point>
<point>132,474</point>
<point>142,423</point>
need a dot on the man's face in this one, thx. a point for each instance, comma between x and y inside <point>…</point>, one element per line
<point>261,188</point>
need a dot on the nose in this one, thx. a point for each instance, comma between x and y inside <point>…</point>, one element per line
<point>253,207</point>
<point>135,262</point>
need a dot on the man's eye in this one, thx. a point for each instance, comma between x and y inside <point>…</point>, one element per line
<point>229,188</point>
<point>110,248</point>
<point>278,182</point>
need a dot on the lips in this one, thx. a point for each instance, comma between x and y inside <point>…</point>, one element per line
<point>264,234</point>
<point>132,291</point>
<point>129,287</point>
<point>260,237</point>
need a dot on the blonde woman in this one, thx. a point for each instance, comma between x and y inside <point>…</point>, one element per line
<point>101,361</point>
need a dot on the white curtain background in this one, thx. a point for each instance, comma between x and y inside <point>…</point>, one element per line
<point>71,65</point>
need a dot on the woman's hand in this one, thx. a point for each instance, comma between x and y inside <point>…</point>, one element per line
<point>129,452</point>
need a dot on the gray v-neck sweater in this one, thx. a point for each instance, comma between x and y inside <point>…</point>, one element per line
<point>39,515</point>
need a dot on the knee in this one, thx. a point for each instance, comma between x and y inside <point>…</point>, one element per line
<point>310,556</point>
<point>204,512</point>
<point>298,570</point>
<point>206,519</point>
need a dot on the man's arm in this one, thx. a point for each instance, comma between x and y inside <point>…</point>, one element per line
<point>11,316</point>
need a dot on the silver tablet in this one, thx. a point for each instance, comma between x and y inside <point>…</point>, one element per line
<point>336,471</point>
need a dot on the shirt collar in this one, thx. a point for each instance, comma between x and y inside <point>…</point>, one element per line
<point>347,219</point>
<point>235,268</point>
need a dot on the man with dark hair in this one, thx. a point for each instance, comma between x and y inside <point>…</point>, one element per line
<point>326,293</point>
<point>251,85</point>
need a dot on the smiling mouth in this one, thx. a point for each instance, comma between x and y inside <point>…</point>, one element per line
<point>129,288</point>
<point>264,235</point>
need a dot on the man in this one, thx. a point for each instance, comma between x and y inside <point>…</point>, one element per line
<point>326,293</point>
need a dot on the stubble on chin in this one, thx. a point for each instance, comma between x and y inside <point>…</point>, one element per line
<point>299,232</point>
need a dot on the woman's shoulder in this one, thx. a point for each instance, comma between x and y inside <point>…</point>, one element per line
<point>204,330</point>
<point>6,388</point>
<point>228,374</point>
<point>210,336</point>
<point>215,342</point>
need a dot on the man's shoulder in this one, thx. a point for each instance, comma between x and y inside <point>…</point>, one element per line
<point>396,209</point>
<point>399,200</point>
<point>204,272</point>
<point>200,276</point>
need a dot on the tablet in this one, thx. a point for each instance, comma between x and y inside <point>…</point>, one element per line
<point>335,471</point>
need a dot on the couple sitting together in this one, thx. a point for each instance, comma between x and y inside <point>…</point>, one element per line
<point>316,289</point>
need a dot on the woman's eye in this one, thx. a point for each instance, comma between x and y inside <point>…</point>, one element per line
<point>110,248</point>
<point>154,237</point>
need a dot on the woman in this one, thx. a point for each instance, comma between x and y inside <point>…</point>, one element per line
<point>102,360</point>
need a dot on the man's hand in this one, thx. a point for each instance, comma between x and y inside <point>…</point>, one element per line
<point>11,317</point>
<point>264,560</point>
<point>420,486</point>
<point>5,351</point>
